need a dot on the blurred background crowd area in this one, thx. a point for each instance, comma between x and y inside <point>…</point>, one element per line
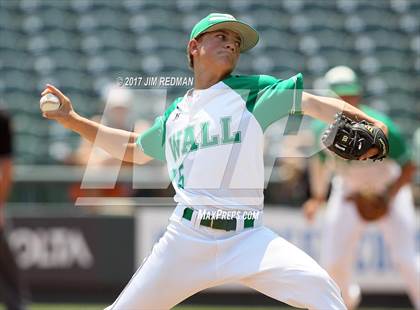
<point>83,46</point>
<point>70,253</point>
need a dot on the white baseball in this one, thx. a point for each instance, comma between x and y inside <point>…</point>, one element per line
<point>49,102</point>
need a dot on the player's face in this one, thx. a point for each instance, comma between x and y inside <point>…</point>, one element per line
<point>219,49</point>
<point>353,100</point>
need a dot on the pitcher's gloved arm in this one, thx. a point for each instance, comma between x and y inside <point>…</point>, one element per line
<point>326,108</point>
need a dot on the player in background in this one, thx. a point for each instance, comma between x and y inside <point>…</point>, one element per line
<point>370,185</point>
<point>11,289</point>
<point>212,141</point>
<point>118,113</point>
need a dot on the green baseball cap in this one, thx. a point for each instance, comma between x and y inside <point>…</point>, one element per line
<point>343,81</point>
<point>216,21</point>
<point>346,89</point>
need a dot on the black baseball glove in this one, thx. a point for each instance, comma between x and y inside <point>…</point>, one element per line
<point>350,139</point>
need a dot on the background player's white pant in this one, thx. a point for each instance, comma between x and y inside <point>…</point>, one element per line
<point>343,228</point>
<point>187,260</point>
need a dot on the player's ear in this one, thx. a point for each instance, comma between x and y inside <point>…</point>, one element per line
<point>193,47</point>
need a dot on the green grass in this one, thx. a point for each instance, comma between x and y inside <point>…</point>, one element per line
<point>100,307</point>
<point>262,308</point>
<point>66,307</point>
<point>228,308</point>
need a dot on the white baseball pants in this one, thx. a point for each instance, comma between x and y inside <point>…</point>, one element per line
<point>190,258</point>
<point>343,228</point>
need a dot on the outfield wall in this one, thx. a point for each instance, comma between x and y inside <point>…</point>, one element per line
<point>94,253</point>
<point>373,267</point>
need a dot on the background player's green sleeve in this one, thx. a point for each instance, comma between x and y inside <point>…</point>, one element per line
<point>152,141</point>
<point>398,148</point>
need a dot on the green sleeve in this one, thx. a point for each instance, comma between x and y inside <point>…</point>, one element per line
<point>398,149</point>
<point>267,98</point>
<point>278,100</point>
<point>152,141</point>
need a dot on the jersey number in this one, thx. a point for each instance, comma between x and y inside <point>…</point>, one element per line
<point>180,173</point>
<point>181,176</point>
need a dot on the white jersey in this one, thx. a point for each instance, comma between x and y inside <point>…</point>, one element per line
<point>212,139</point>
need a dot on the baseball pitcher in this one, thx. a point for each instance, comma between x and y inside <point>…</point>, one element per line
<point>212,142</point>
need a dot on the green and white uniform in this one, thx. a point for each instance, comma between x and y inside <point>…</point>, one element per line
<point>212,141</point>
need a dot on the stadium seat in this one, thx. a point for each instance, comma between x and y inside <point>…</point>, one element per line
<point>73,80</point>
<point>112,38</point>
<point>17,80</point>
<point>399,81</point>
<point>110,17</point>
<point>151,64</point>
<point>172,60</point>
<point>394,60</point>
<point>9,20</point>
<point>12,40</point>
<point>82,45</point>
<point>81,6</point>
<point>389,39</point>
<point>373,18</point>
<point>328,39</point>
<point>364,44</point>
<point>324,19</point>
<point>283,60</point>
<point>293,6</point>
<point>400,6</point>
<point>274,39</point>
<point>316,64</point>
<point>55,18</point>
<point>244,5</point>
<point>162,39</point>
<point>20,102</point>
<point>266,19</point>
<point>69,59</point>
<point>15,59</point>
<point>337,57</point>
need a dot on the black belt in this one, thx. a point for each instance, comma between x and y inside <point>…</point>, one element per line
<point>223,224</point>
